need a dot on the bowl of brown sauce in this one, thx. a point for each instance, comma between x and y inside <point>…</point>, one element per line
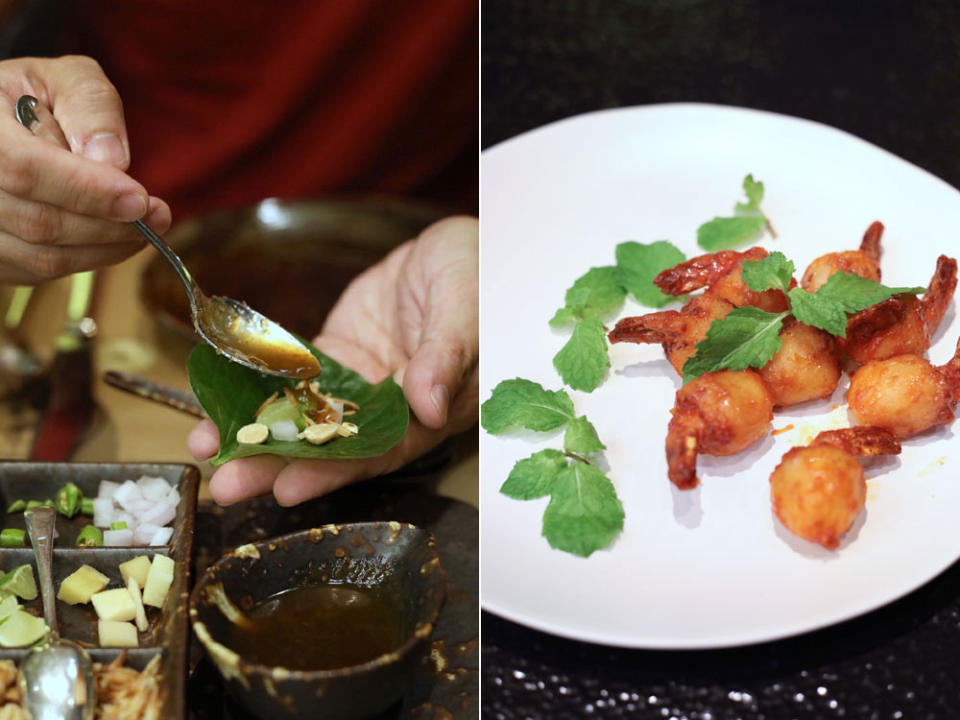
<point>334,622</point>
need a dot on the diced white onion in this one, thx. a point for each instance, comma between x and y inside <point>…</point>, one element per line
<point>107,489</point>
<point>337,407</point>
<point>284,430</point>
<point>117,538</point>
<point>123,516</point>
<point>162,536</point>
<point>153,489</point>
<point>143,533</point>
<point>103,512</point>
<point>160,514</point>
<point>127,493</point>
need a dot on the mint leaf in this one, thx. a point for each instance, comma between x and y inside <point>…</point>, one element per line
<point>773,272</point>
<point>746,337</point>
<point>726,232</point>
<point>639,264</point>
<point>584,513</point>
<point>583,362</point>
<point>534,477</point>
<point>599,291</point>
<point>843,293</point>
<point>754,191</point>
<point>525,404</point>
<point>581,437</point>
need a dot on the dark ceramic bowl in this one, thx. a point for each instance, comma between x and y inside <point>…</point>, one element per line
<point>400,559</point>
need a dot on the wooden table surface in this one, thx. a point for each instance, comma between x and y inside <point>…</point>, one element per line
<point>127,428</point>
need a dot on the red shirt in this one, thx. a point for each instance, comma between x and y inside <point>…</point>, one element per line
<point>231,101</point>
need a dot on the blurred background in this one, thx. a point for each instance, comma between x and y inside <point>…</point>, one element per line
<point>887,71</point>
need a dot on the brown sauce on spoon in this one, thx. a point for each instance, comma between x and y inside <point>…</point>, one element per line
<point>320,627</point>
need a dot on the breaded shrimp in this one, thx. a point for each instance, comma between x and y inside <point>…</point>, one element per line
<point>905,394</point>
<point>719,413</point>
<point>864,262</point>
<point>678,331</point>
<point>720,273</point>
<point>903,324</point>
<point>818,491</point>
<point>806,367</point>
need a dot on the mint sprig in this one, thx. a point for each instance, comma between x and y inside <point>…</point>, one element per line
<point>750,337</point>
<point>584,513</point>
<point>747,223</point>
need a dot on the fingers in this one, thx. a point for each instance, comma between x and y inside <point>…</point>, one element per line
<point>245,478</point>
<point>447,352</point>
<point>204,440</point>
<point>89,110</point>
<point>24,264</point>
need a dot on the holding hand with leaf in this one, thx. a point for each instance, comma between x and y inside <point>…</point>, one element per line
<point>414,316</point>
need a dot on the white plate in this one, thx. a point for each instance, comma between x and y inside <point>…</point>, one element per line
<point>710,567</point>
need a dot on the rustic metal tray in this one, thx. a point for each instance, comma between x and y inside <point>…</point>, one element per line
<point>167,634</point>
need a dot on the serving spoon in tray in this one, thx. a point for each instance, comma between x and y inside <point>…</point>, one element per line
<point>57,674</point>
<point>231,327</point>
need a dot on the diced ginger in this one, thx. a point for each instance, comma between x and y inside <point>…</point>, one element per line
<point>253,434</point>
<point>320,433</point>
<point>159,580</point>
<point>114,605</point>
<point>79,586</point>
<point>117,634</point>
<point>141,616</point>
<point>137,569</point>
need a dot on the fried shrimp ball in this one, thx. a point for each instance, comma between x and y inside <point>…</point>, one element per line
<point>678,331</point>
<point>719,413</point>
<point>903,394</point>
<point>904,323</point>
<point>864,262</point>
<point>720,273</point>
<point>805,367</point>
<point>818,491</point>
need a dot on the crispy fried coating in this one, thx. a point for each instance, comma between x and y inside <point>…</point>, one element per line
<point>678,331</point>
<point>721,274</point>
<point>807,365</point>
<point>864,262</point>
<point>818,491</point>
<point>904,394</point>
<point>903,324</point>
<point>719,413</point>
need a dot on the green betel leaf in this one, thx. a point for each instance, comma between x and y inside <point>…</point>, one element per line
<point>534,477</point>
<point>231,394</point>
<point>524,403</point>
<point>584,513</point>
<point>773,272</point>
<point>722,233</point>
<point>639,264</point>
<point>599,291</point>
<point>754,192</point>
<point>583,362</point>
<point>581,437</point>
<point>746,337</point>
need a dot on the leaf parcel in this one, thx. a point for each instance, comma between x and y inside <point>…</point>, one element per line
<point>231,395</point>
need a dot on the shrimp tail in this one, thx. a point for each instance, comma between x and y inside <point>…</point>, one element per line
<point>696,273</point>
<point>939,293</point>
<point>860,441</point>
<point>870,245</point>
<point>683,440</point>
<point>651,328</point>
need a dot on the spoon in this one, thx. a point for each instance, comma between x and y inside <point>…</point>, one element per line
<point>57,675</point>
<point>232,328</point>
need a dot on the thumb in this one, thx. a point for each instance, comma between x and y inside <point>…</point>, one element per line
<point>88,109</point>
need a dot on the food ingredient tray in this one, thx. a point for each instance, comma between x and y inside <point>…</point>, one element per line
<point>167,633</point>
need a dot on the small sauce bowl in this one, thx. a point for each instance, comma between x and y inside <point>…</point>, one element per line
<point>399,560</point>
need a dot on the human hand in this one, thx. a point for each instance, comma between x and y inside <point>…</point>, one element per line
<point>415,315</point>
<point>65,211</point>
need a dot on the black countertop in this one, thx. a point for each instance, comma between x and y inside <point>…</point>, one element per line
<point>888,72</point>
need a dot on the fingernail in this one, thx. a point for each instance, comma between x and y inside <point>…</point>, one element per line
<point>440,398</point>
<point>129,207</point>
<point>105,147</point>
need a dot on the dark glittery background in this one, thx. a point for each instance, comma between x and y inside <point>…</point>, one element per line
<point>888,72</point>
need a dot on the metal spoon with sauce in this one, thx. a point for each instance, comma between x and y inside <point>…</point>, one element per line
<point>232,328</point>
